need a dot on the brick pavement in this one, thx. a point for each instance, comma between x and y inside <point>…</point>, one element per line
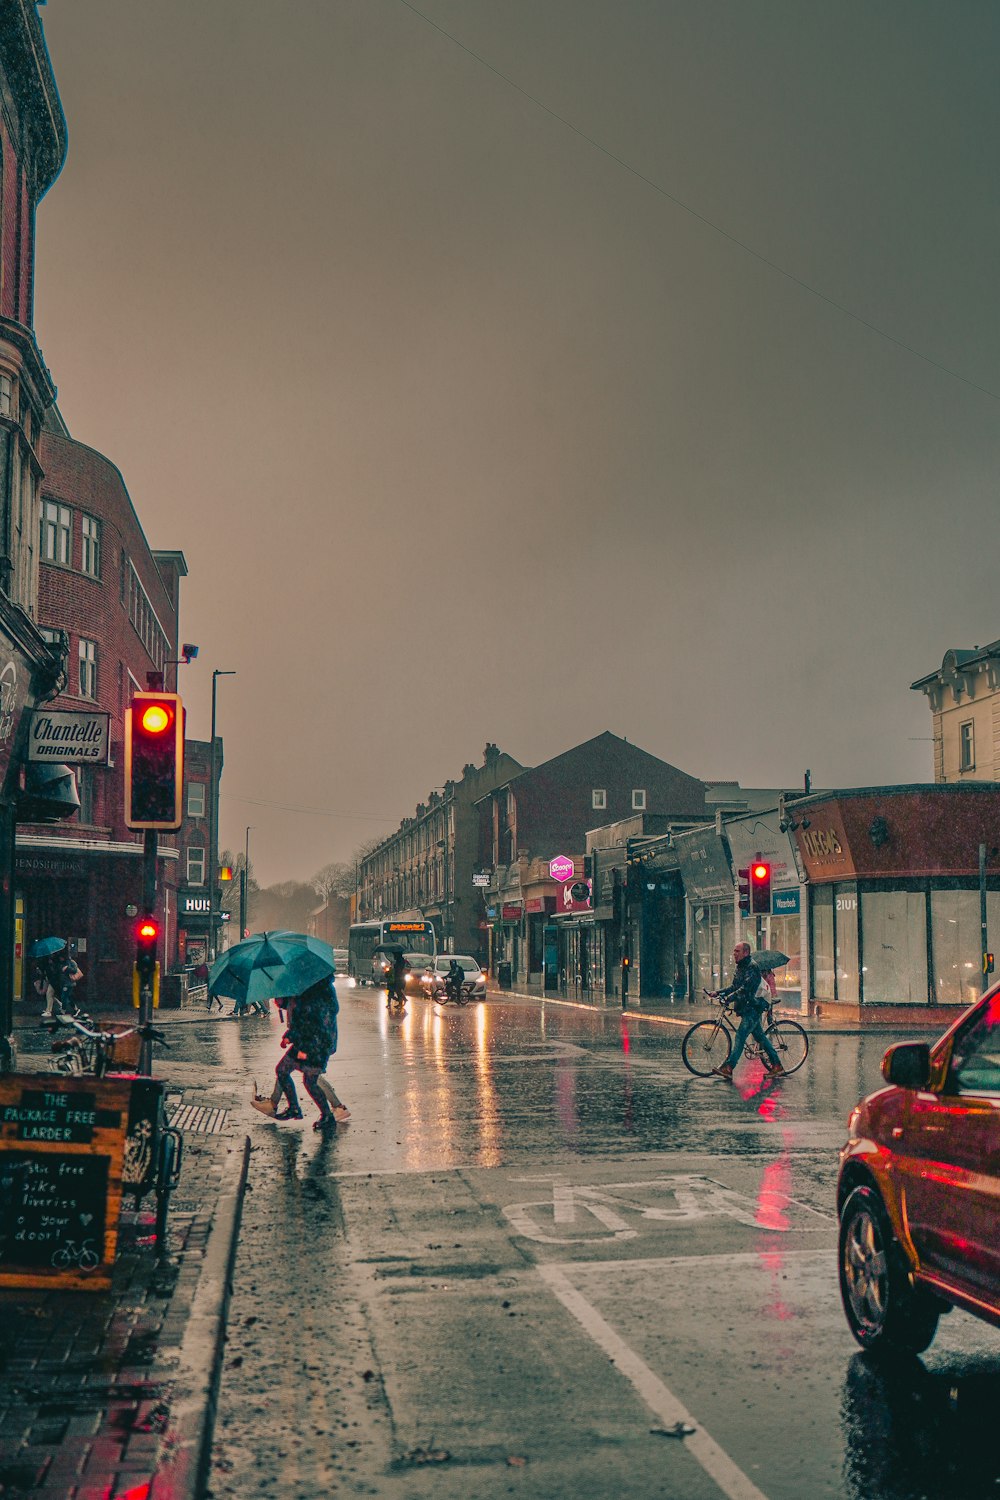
<point>110,1395</point>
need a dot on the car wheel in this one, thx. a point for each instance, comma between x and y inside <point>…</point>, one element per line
<point>884,1310</point>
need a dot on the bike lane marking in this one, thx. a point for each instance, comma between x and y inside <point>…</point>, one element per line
<point>658,1397</point>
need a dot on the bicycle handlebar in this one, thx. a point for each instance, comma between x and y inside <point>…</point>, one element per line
<point>146,1031</point>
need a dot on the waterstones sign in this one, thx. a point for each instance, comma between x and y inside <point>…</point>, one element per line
<point>59,736</point>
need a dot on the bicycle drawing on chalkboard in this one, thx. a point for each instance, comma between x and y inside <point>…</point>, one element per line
<point>69,1255</point>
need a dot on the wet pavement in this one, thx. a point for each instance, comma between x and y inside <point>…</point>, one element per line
<point>539,1245</point>
<point>540,1252</point>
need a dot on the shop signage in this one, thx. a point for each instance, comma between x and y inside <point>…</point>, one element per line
<point>785,903</point>
<point>61,1152</point>
<point>540,903</point>
<point>760,836</point>
<point>193,906</point>
<point>510,912</point>
<point>561,868</point>
<point>480,880</point>
<point>575,897</point>
<point>61,736</point>
<point>704,867</point>
<point>44,864</point>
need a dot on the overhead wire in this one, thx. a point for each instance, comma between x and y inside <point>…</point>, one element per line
<point>726,234</point>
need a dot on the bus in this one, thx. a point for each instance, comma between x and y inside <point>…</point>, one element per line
<point>413,935</point>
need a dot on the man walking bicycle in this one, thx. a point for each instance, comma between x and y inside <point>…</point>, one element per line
<point>742,995</point>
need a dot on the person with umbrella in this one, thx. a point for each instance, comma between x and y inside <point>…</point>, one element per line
<point>744,996</point>
<point>311,1039</point>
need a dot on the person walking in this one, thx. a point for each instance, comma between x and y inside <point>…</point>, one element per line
<point>312,1039</point>
<point>746,1000</point>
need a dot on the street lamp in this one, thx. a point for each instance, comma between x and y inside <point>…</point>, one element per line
<point>213,821</point>
<point>245,886</point>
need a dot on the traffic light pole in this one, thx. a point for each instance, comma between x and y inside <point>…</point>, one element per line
<point>149,851</point>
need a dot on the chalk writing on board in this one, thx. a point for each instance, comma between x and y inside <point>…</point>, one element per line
<point>47,1115</point>
<point>52,1209</point>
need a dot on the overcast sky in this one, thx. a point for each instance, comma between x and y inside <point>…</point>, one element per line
<point>518,369</point>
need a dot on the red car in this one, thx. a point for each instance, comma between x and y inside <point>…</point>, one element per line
<point>919,1191</point>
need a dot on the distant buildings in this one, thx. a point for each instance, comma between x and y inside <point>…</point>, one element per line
<point>964,699</point>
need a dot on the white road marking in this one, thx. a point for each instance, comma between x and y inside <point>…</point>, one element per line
<point>661,1401</point>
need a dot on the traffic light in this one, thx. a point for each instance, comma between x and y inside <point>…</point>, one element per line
<point>154,761</point>
<point>147,936</point>
<point>146,974</point>
<point>743,887</point>
<point>760,888</point>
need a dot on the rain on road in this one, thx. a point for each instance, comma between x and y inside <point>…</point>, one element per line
<point>538,1247</point>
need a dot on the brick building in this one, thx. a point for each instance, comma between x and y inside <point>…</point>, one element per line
<point>32,150</point>
<point>541,814</point>
<point>113,603</point>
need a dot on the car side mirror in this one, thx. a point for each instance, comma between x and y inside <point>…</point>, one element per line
<point>908,1064</point>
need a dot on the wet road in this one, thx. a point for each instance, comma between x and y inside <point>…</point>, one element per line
<point>538,1246</point>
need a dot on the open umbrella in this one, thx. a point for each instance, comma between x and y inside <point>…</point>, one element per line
<point>271,965</point>
<point>45,947</point>
<point>769,958</point>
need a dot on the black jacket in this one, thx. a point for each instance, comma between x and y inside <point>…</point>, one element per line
<point>743,990</point>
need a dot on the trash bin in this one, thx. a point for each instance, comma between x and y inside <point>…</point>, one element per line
<point>503,976</point>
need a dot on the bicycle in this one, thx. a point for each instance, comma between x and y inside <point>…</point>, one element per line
<point>454,994</point>
<point>153,1150</point>
<point>707,1044</point>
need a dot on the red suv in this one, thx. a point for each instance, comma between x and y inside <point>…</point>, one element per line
<point>919,1190</point>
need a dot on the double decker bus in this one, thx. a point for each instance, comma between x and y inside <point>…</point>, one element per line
<point>412,934</point>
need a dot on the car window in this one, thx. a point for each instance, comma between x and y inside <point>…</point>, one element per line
<point>975,1054</point>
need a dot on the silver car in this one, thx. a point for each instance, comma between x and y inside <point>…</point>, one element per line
<point>435,975</point>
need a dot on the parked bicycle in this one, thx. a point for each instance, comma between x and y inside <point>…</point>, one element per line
<point>152,1156</point>
<point>707,1044</point>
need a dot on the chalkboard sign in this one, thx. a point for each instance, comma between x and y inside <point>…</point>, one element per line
<point>61,1145</point>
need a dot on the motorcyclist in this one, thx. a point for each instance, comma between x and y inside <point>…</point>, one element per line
<point>454,979</point>
<point>397,977</point>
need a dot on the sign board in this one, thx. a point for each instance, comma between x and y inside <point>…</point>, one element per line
<point>15,681</point>
<point>561,868</point>
<point>760,837</point>
<point>482,880</point>
<point>61,1148</point>
<point>61,736</point>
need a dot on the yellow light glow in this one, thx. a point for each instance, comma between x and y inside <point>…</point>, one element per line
<point>155,719</point>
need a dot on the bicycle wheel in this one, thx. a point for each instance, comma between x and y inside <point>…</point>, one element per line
<point>790,1042</point>
<point>705,1047</point>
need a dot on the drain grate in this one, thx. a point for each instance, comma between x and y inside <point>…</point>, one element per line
<point>198,1119</point>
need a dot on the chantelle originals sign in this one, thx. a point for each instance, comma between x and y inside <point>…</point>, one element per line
<point>58,735</point>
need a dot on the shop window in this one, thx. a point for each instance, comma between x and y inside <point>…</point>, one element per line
<point>967,746</point>
<point>599,798</point>
<point>195,865</point>
<point>821,942</point>
<point>196,799</point>
<point>894,955</point>
<point>638,801</point>
<point>845,931</point>
<point>956,938</point>
<point>85,789</point>
<point>88,669</point>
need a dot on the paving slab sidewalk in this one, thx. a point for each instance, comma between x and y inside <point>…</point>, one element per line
<point>111,1395</point>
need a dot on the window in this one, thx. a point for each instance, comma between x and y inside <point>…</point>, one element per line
<point>48,634</point>
<point>143,618</point>
<point>88,669</point>
<point>975,1056</point>
<point>956,938</point>
<point>6,396</point>
<point>195,865</point>
<point>91,555</point>
<point>967,746</point>
<point>823,968</point>
<point>57,521</point>
<point>894,939</point>
<point>638,801</point>
<point>599,798</point>
<point>123,576</point>
<point>196,799</point>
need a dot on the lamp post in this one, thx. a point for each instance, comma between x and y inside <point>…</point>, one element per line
<point>213,821</point>
<point>245,886</point>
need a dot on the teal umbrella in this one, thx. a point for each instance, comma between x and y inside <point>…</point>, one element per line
<point>271,965</point>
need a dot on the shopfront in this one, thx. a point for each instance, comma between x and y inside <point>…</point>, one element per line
<point>895,899</point>
<point>760,836</point>
<point>709,892</point>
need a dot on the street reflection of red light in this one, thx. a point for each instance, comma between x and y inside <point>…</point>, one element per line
<point>137,1492</point>
<point>626,1040</point>
<point>772,1195</point>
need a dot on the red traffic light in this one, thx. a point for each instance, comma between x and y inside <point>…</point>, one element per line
<point>760,889</point>
<point>156,718</point>
<point>148,931</point>
<point>760,872</point>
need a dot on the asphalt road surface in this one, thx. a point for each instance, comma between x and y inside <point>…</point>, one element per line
<point>544,1260</point>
